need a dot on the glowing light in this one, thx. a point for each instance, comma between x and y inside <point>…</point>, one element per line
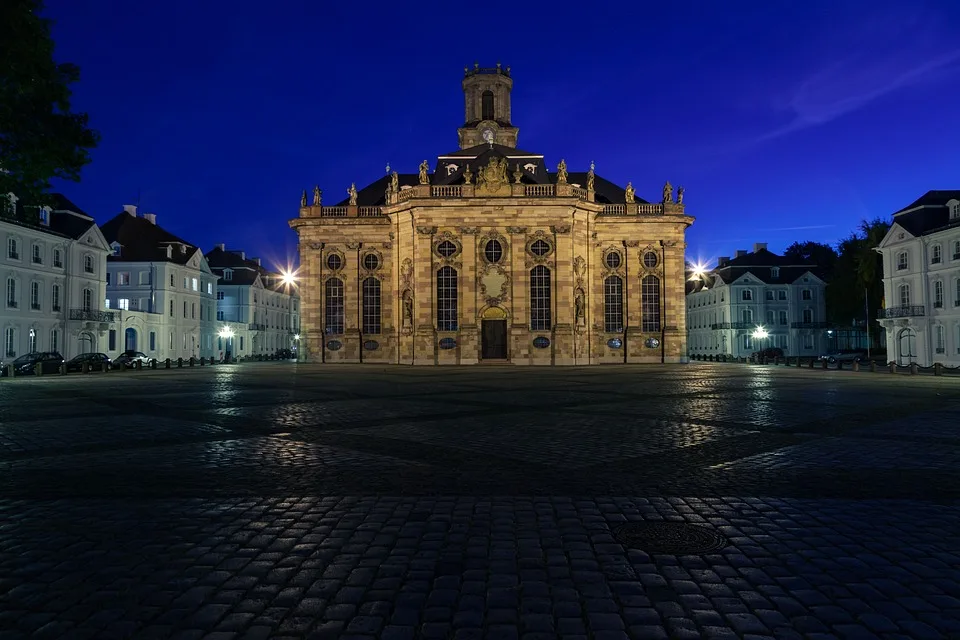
<point>226,332</point>
<point>760,332</point>
<point>297,337</point>
<point>699,270</point>
<point>288,278</point>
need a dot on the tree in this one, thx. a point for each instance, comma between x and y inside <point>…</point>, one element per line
<point>40,138</point>
<point>822,255</point>
<point>857,285</point>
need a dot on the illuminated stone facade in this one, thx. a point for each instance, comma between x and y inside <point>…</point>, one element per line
<point>492,258</point>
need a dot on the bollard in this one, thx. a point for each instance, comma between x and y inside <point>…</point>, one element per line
<point>799,364</point>
<point>937,369</point>
<point>104,367</point>
<point>893,367</point>
<point>63,369</point>
<point>913,368</point>
<point>823,364</point>
<point>201,361</point>
<point>139,365</point>
<point>179,363</point>
<point>85,367</point>
<point>873,367</point>
<point>153,364</point>
<point>839,365</point>
<point>856,365</point>
<point>191,361</point>
<point>166,363</point>
<point>38,369</point>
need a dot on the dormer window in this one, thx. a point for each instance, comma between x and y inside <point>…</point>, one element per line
<point>774,272</point>
<point>227,274</point>
<point>44,216</point>
<point>115,248</point>
<point>955,211</point>
<point>183,249</point>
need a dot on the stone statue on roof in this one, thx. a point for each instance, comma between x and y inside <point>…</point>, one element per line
<point>395,182</point>
<point>562,172</point>
<point>517,174</point>
<point>317,196</point>
<point>629,194</point>
<point>667,193</point>
<point>591,178</point>
<point>303,198</point>
<point>352,192</point>
<point>424,168</point>
<point>679,195</point>
<point>467,175</point>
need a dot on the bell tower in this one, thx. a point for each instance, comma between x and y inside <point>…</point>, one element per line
<point>486,106</point>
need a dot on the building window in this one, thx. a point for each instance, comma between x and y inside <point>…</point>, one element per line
<point>769,295</point>
<point>334,306</point>
<point>650,303</point>
<point>11,293</point>
<point>806,294</point>
<point>58,258</point>
<point>371,304</point>
<point>334,262</point>
<point>446,249</point>
<point>783,317</point>
<point>807,316</point>
<point>941,339</point>
<point>905,295</point>
<point>493,251</point>
<point>227,275</point>
<point>955,212</point>
<point>770,317</point>
<point>37,257</point>
<point>193,310</point>
<point>540,315</point>
<point>35,296</point>
<point>209,288</point>
<point>650,260</point>
<point>746,316</point>
<point>173,281</point>
<point>123,279</point>
<point>220,315</point>
<point>123,303</point>
<point>32,341</point>
<point>901,261</point>
<point>446,297</point>
<point>936,254</point>
<point>195,285</point>
<point>44,219</point>
<point>938,294</point>
<point>171,308</point>
<point>9,342</point>
<point>781,295</point>
<point>219,295</point>
<point>13,249</point>
<point>486,105</point>
<point>153,341</point>
<point>54,340</point>
<point>184,308</point>
<point>774,272</point>
<point>612,260</point>
<point>956,300</point>
<point>808,341</point>
<point>55,297</point>
<point>613,304</point>
<point>371,262</point>
<point>956,250</point>
<point>540,248</point>
<point>88,264</point>
<point>747,341</point>
<point>746,294</point>
<point>87,300</point>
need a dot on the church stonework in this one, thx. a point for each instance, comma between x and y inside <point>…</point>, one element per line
<point>492,258</point>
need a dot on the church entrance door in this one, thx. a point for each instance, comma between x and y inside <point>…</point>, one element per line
<point>493,340</point>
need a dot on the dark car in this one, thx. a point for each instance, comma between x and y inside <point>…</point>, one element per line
<point>95,361</point>
<point>130,359</point>
<point>285,354</point>
<point>49,362</point>
<point>770,353</point>
<point>845,355</point>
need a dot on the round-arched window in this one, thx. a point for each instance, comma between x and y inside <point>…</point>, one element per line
<point>650,260</point>
<point>371,261</point>
<point>612,260</point>
<point>446,248</point>
<point>540,248</point>
<point>493,251</point>
<point>334,262</point>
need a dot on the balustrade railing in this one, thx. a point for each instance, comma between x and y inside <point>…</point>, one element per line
<point>538,190</point>
<point>580,192</point>
<point>334,212</point>
<point>809,325</point>
<point>405,194</point>
<point>614,209</point>
<point>370,212</point>
<point>446,191</point>
<point>905,311</point>
<point>90,315</point>
<point>647,209</point>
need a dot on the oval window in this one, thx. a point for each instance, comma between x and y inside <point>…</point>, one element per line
<point>371,261</point>
<point>493,251</point>
<point>446,248</point>
<point>335,262</point>
<point>371,345</point>
<point>334,345</point>
<point>613,260</point>
<point>652,343</point>
<point>614,343</point>
<point>540,342</point>
<point>447,343</point>
<point>540,248</point>
<point>650,260</point>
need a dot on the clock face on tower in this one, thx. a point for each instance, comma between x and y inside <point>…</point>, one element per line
<point>488,136</point>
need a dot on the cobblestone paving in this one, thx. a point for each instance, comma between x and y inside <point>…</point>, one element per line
<point>281,501</point>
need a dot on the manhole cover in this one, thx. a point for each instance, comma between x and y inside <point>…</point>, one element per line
<point>669,537</point>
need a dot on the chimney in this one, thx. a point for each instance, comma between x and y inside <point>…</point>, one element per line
<point>131,209</point>
<point>722,261</point>
<point>757,246</point>
<point>169,251</point>
<point>150,217</point>
<point>257,260</point>
<point>741,253</point>
<point>222,247</point>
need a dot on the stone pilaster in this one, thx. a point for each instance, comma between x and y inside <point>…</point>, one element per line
<point>468,344</point>
<point>519,323</point>
<point>425,343</point>
<point>563,292</point>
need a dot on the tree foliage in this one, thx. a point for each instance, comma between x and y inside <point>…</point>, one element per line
<point>822,255</point>
<point>858,279</point>
<point>40,138</point>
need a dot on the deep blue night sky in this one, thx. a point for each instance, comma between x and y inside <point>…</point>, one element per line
<point>788,121</point>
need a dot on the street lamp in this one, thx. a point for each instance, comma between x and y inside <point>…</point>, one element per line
<point>227,334</point>
<point>759,334</point>
<point>296,346</point>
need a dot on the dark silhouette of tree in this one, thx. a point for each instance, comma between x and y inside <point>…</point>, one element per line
<point>822,255</point>
<point>40,138</point>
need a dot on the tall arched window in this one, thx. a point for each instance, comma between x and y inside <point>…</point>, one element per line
<point>11,293</point>
<point>333,307</point>
<point>486,105</point>
<point>540,316</point>
<point>447,299</point>
<point>87,300</point>
<point>371,304</point>
<point>905,295</point>
<point>938,294</point>
<point>650,303</point>
<point>88,264</point>
<point>746,315</point>
<point>613,304</point>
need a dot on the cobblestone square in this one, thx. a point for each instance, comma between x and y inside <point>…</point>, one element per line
<point>277,500</point>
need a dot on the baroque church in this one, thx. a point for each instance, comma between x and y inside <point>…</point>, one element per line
<point>492,257</point>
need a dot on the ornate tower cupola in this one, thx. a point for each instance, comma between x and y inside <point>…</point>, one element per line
<point>486,100</point>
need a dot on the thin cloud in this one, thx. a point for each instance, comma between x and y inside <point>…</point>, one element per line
<point>815,226</point>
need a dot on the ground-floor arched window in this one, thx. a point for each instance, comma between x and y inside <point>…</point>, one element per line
<point>613,304</point>
<point>650,303</point>
<point>371,305</point>
<point>540,316</point>
<point>447,299</point>
<point>333,315</point>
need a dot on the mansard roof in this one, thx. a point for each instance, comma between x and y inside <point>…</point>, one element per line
<point>66,219</point>
<point>760,265</point>
<point>143,241</point>
<point>245,270</point>
<point>928,214</point>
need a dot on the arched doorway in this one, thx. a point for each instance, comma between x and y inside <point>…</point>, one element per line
<point>87,343</point>
<point>130,339</point>
<point>493,334</point>
<point>906,347</point>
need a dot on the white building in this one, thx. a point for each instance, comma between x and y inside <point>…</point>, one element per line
<point>259,307</point>
<point>53,269</point>
<point>162,287</point>
<point>757,289</point>
<point>921,281</point>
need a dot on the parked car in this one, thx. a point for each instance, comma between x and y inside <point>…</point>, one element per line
<point>844,355</point>
<point>94,360</point>
<point>285,354</point>
<point>129,359</point>
<point>49,361</point>
<point>768,353</point>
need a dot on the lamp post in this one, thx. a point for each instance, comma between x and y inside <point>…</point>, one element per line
<point>227,334</point>
<point>296,345</point>
<point>759,334</point>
